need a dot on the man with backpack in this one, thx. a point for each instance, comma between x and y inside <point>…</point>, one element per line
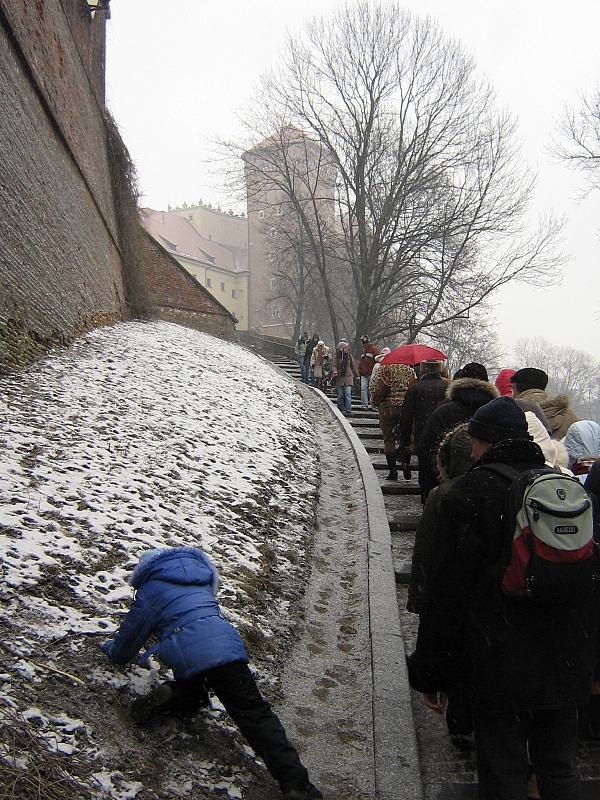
<point>522,643</point>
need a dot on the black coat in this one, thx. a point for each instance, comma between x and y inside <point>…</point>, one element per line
<point>464,397</point>
<point>453,460</point>
<point>419,403</point>
<point>508,653</point>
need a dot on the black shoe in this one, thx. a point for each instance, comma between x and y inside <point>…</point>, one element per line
<point>391,462</point>
<point>143,708</point>
<point>309,793</point>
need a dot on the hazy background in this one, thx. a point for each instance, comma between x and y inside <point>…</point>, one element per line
<point>178,71</point>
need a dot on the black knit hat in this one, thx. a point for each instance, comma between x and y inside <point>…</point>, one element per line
<point>500,419</point>
<point>474,370</point>
<point>530,378</point>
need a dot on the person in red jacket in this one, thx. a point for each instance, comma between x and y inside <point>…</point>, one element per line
<point>365,368</point>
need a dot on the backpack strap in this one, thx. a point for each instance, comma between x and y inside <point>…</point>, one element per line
<point>510,475</point>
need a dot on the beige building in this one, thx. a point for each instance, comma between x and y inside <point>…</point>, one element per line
<point>223,270</point>
<point>215,225</point>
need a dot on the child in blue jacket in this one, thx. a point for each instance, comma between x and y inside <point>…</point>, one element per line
<point>175,601</point>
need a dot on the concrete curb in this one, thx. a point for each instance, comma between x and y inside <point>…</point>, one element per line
<point>397,770</point>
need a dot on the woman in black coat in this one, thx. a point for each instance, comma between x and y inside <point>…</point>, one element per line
<point>463,397</point>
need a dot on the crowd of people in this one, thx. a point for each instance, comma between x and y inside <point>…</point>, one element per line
<point>321,368</point>
<point>521,672</point>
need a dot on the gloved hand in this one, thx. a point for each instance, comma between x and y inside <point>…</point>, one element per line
<point>106,647</point>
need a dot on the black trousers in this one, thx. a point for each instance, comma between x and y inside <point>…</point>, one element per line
<point>501,745</point>
<point>237,690</point>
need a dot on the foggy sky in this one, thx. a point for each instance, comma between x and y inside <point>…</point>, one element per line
<point>178,72</point>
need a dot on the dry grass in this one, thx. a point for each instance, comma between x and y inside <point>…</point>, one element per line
<point>28,769</point>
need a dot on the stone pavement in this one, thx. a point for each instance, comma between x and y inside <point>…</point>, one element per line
<point>347,701</point>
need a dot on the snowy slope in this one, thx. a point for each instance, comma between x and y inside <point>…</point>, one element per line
<point>139,436</point>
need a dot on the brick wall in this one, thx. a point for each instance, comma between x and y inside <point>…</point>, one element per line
<point>178,297</point>
<point>62,49</point>
<point>60,267</point>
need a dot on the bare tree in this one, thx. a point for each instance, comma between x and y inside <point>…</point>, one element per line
<point>579,143</point>
<point>472,339</point>
<point>570,371</point>
<point>430,193</point>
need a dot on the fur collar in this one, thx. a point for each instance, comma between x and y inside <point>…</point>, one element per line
<point>464,388</point>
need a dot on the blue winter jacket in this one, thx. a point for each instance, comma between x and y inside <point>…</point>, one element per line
<point>175,601</point>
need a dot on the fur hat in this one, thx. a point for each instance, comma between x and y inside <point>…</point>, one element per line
<point>474,370</point>
<point>365,338</point>
<point>430,366</point>
<point>498,420</point>
<point>530,378</point>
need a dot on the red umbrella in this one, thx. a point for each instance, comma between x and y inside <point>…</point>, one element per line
<point>412,354</point>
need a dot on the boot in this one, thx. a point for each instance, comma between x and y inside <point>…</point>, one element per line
<point>391,462</point>
<point>403,455</point>
<point>158,700</point>
<point>310,792</point>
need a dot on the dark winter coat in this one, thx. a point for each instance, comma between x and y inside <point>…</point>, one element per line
<point>463,397</point>
<point>420,401</point>
<point>592,482</point>
<point>509,653</point>
<point>367,360</point>
<point>310,346</point>
<point>175,601</point>
<point>453,460</point>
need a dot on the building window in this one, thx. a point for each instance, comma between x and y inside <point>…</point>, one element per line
<point>271,256</point>
<point>209,283</point>
<point>191,217</point>
<point>273,284</point>
<point>222,287</point>
<point>275,311</point>
<point>233,293</point>
<point>273,233</point>
<point>279,211</point>
<point>261,214</point>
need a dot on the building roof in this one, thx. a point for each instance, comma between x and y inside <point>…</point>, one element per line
<point>179,237</point>
<point>286,137</point>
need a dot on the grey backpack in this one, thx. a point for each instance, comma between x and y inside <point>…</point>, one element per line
<point>553,554</point>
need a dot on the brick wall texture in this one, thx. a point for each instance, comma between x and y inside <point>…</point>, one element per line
<point>178,297</point>
<point>60,268</point>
